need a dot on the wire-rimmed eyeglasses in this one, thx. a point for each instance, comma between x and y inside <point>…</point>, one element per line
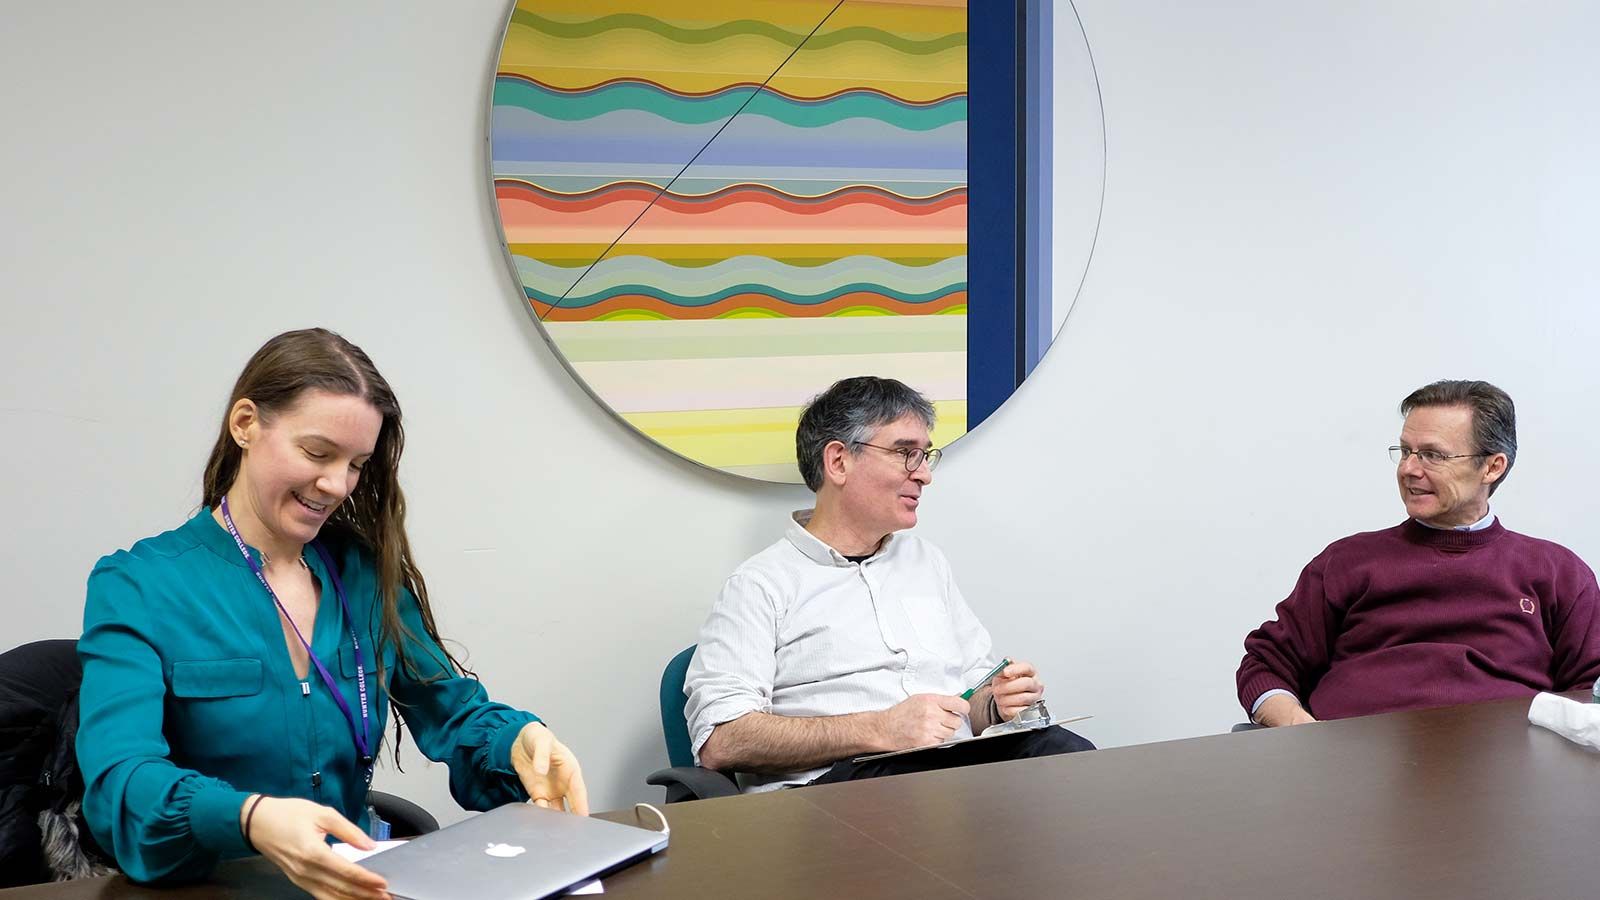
<point>1430,458</point>
<point>913,456</point>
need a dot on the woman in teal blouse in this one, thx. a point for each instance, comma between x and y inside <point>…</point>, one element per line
<point>237,670</point>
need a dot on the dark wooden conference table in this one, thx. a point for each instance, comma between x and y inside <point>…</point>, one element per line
<point>1461,802</point>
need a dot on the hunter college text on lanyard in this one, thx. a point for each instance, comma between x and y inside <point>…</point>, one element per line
<point>362,736</point>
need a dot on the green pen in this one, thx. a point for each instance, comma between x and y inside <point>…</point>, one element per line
<point>985,679</point>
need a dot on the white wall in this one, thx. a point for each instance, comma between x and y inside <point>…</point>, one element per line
<point>1310,210</point>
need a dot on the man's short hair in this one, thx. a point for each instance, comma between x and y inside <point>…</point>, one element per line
<point>850,412</point>
<point>1494,416</point>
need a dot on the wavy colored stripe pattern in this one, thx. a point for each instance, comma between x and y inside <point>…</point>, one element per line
<point>574,150</point>
<point>741,284</point>
<point>828,185</point>
<point>624,94</point>
<point>612,24</point>
<point>832,277</point>
<point>916,51</point>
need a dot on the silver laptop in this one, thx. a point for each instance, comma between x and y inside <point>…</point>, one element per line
<point>516,852</point>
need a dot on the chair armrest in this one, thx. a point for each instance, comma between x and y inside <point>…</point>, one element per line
<point>693,783</point>
<point>407,819</point>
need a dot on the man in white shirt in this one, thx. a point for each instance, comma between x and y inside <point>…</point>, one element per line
<point>848,636</point>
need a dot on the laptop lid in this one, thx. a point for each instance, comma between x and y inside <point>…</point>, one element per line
<point>516,852</point>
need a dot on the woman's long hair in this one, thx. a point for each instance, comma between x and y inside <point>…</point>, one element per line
<point>374,515</point>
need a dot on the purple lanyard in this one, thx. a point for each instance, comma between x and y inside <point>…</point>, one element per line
<point>363,736</point>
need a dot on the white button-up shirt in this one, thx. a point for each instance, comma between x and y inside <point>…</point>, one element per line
<point>799,630</point>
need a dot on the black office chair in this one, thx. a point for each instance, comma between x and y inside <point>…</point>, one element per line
<point>684,780</point>
<point>40,789</point>
<point>406,819</point>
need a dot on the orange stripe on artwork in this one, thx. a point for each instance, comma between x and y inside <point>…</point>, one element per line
<point>519,205</point>
<point>645,303</point>
<point>527,223</point>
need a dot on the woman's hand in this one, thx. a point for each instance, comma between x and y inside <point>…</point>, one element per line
<point>291,833</point>
<point>548,770</point>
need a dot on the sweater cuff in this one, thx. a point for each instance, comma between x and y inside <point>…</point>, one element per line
<point>500,747</point>
<point>1256,685</point>
<point>214,820</point>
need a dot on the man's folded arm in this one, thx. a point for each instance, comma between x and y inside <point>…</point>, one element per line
<point>1280,708</point>
<point>1255,708</point>
<point>1287,655</point>
<point>766,743</point>
<point>734,664</point>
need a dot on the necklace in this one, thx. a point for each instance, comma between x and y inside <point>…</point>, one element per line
<point>267,560</point>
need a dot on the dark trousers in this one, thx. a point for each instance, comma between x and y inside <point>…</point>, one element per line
<point>1022,745</point>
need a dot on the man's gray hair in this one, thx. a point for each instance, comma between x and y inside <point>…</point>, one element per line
<point>849,412</point>
<point>1494,416</point>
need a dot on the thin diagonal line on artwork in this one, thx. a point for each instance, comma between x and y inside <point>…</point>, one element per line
<point>663,192</point>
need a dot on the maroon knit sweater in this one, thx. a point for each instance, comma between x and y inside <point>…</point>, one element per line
<point>1412,616</point>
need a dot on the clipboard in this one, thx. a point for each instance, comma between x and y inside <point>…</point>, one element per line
<point>988,733</point>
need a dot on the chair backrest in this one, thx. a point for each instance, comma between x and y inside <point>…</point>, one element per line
<point>37,681</point>
<point>674,727</point>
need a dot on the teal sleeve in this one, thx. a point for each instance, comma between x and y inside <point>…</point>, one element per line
<point>161,822</point>
<point>453,721</point>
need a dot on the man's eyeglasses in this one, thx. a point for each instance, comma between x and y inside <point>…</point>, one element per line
<point>1431,459</point>
<point>913,456</point>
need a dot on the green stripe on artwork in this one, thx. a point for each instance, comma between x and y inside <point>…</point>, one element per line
<point>758,337</point>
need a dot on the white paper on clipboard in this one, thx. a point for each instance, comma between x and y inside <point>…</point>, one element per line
<point>1049,723</point>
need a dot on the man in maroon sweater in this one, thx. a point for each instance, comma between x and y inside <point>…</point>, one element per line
<point>1446,607</point>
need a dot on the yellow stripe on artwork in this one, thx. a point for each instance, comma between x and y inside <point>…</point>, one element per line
<point>788,13</point>
<point>933,16</point>
<point>739,60</point>
<point>581,62</point>
<point>757,437</point>
<point>698,82</point>
<point>615,52</point>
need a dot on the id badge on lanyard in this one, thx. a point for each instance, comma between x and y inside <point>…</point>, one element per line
<point>362,736</point>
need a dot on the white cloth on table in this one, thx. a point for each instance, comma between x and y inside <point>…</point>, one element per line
<point>1577,722</point>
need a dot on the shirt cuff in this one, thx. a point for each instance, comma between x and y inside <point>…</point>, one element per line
<point>719,713</point>
<point>500,747</point>
<point>698,738</point>
<point>1254,707</point>
<point>214,820</point>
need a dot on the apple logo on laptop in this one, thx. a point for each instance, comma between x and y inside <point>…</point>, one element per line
<point>505,851</point>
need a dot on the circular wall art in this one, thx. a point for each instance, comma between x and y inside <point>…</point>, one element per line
<point>715,210</point>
